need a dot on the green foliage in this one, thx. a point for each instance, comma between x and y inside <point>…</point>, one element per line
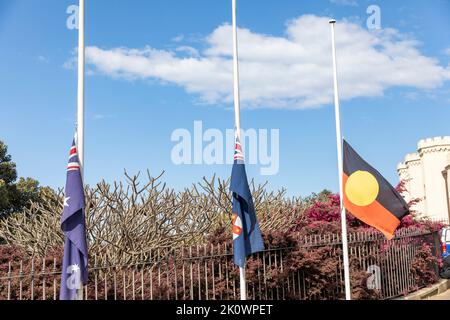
<point>15,194</point>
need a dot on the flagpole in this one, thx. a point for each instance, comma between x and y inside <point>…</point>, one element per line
<point>80,98</point>
<point>237,117</point>
<point>341,167</point>
<point>237,107</point>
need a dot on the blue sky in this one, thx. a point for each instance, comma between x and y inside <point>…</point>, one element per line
<point>395,84</point>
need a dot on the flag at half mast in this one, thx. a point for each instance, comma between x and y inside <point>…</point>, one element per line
<point>247,237</point>
<point>369,196</point>
<point>75,260</point>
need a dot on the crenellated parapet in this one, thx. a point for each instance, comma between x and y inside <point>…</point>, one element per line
<point>412,159</point>
<point>401,167</point>
<point>437,144</point>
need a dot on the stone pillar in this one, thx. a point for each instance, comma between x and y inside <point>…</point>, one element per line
<point>415,183</point>
<point>434,156</point>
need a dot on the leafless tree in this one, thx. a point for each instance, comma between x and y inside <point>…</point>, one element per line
<point>125,220</point>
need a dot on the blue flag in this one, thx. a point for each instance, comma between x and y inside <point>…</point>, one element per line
<point>75,260</point>
<point>247,237</point>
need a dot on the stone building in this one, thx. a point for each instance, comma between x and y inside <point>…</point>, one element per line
<point>427,177</point>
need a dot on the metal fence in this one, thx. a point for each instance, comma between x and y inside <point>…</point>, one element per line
<point>208,272</point>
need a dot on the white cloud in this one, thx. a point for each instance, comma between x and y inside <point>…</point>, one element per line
<point>43,59</point>
<point>189,51</point>
<point>447,51</point>
<point>292,71</point>
<point>71,63</point>
<point>178,38</point>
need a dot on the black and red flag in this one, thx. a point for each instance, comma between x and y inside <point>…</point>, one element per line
<point>369,196</point>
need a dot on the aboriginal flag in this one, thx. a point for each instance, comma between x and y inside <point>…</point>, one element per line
<point>368,195</point>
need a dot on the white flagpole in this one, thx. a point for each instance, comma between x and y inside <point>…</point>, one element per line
<point>237,116</point>
<point>341,167</point>
<point>237,107</point>
<point>80,100</point>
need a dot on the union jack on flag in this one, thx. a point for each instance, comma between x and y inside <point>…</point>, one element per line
<point>238,154</point>
<point>74,164</point>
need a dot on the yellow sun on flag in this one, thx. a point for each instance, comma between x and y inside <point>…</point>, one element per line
<point>362,188</point>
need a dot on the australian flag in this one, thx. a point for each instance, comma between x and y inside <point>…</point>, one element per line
<point>247,237</point>
<point>75,260</point>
